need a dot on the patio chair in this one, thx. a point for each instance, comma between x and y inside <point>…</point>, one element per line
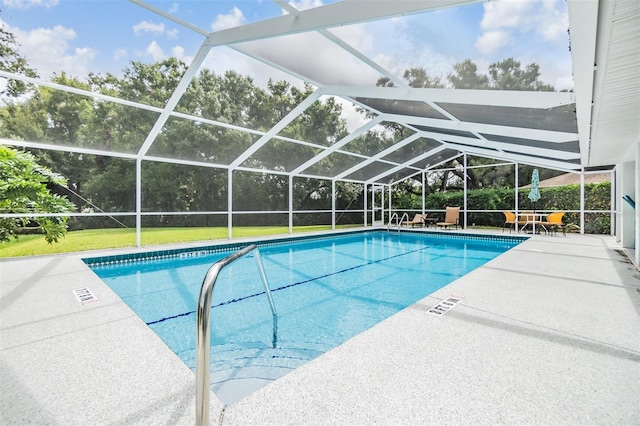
<point>417,220</point>
<point>554,221</point>
<point>510,219</point>
<point>451,217</point>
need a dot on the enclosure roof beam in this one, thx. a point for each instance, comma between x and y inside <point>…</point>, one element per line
<point>431,166</point>
<point>502,146</point>
<point>378,156</point>
<point>66,148</point>
<point>292,115</point>
<point>77,91</point>
<point>133,104</point>
<point>405,165</point>
<point>583,22</point>
<point>174,99</point>
<point>170,17</point>
<point>549,163</point>
<point>505,98</point>
<point>331,15</point>
<point>345,46</point>
<point>333,148</point>
<point>492,129</point>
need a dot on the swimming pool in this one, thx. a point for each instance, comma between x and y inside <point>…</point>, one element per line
<point>325,289</point>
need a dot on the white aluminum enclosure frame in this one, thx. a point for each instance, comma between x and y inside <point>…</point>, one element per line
<point>595,42</point>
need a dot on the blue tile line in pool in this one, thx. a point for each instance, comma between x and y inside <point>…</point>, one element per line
<point>111,260</point>
<point>294,284</point>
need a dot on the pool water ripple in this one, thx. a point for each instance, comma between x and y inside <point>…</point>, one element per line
<point>287,286</point>
<point>351,282</point>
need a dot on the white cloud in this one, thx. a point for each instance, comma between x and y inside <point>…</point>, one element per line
<point>27,4</point>
<point>155,51</point>
<point>553,21</point>
<point>179,53</point>
<point>119,54</point>
<point>492,41</point>
<point>533,31</point>
<point>548,18</point>
<point>505,14</point>
<point>148,27</point>
<point>174,8</point>
<point>230,20</point>
<point>172,33</point>
<point>305,4</point>
<point>564,82</point>
<point>48,51</point>
<point>353,118</point>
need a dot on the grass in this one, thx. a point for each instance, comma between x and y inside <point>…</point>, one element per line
<point>97,239</point>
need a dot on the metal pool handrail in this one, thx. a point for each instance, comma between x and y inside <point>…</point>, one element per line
<point>203,324</point>
<point>395,215</point>
<point>398,222</point>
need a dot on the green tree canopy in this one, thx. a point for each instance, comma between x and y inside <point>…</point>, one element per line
<point>63,118</point>
<point>509,74</point>
<point>24,189</point>
<point>465,76</point>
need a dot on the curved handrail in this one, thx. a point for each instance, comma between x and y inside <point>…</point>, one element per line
<point>399,220</point>
<point>203,324</point>
<point>274,338</point>
<point>402,219</point>
<point>391,219</point>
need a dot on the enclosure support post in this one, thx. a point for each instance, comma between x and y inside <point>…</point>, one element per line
<point>230,204</point>
<point>517,193</point>
<point>582,201</point>
<point>613,218</point>
<point>366,205</point>
<point>464,186</point>
<point>290,204</point>
<point>617,193</point>
<point>138,202</point>
<point>423,192</point>
<point>373,202</point>
<point>382,212</point>
<point>333,204</point>
<point>637,215</point>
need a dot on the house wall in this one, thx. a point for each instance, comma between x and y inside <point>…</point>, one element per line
<point>628,228</point>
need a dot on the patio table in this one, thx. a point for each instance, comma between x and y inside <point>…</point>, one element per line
<point>430,222</point>
<point>532,219</point>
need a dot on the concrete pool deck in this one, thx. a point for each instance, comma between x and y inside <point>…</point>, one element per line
<point>546,333</point>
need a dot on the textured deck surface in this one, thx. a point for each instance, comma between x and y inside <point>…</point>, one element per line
<point>547,333</point>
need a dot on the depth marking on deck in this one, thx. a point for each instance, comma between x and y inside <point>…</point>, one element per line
<point>85,296</point>
<point>445,305</point>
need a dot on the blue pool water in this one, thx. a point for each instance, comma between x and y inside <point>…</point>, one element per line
<point>325,290</point>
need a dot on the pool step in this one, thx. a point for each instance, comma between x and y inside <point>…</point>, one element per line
<point>239,370</point>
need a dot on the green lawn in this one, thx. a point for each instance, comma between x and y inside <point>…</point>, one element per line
<point>95,239</point>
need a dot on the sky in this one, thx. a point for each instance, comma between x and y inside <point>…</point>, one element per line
<point>100,36</point>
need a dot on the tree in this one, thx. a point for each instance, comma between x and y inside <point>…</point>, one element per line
<point>465,76</point>
<point>24,189</point>
<point>508,74</point>
<point>418,77</point>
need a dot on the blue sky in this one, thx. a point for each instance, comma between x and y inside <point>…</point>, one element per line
<point>81,36</point>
